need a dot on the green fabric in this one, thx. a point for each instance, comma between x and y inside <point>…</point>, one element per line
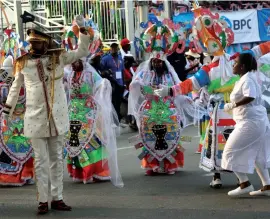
<point>85,89</point>
<point>265,68</point>
<point>148,90</point>
<point>216,84</point>
<point>79,111</point>
<point>159,113</point>
<point>87,159</point>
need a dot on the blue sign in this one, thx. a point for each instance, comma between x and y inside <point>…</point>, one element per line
<point>264,24</point>
<point>185,19</point>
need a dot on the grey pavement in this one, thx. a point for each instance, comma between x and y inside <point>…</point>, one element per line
<point>186,195</point>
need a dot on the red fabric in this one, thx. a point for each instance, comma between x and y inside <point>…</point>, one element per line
<point>186,86</point>
<point>265,47</point>
<point>128,76</point>
<point>168,166</point>
<point>99,169</point>
<point>19,179</point>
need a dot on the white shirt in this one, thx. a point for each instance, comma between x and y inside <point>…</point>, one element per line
<point>248,86</point>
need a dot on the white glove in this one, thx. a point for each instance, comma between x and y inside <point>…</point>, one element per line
<point>79,19</point>
<point>163,91</point>
<point>229,106</point>
<point>198,102</point>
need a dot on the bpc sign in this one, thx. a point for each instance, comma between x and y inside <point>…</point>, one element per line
<point>244,25</point>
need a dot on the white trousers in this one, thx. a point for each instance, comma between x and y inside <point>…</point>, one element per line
<point>49,166</point>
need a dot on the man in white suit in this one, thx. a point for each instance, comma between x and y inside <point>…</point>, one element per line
<point>46,117</point>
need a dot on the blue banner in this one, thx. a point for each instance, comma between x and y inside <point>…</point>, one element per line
<point>185,19</point>
<point>264,24</point>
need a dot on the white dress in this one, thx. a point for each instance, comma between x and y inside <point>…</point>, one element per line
<point>249,141</point>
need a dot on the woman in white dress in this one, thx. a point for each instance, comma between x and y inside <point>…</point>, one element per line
<point>248,146</point>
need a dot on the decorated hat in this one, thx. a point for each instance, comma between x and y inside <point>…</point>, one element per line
<point>36,35</point>
<point>193,54</point>
<point>157,38</point>
<point>11,45</point>
<point>71,36</point>
<point>7,64</point>
<point>212,32</point>
<point>6,70</point>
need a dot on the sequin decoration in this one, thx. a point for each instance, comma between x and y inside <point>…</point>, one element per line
<point>159,113</point>
<point>160,132</point>
<point>75,127</point>
<point>12,140</point>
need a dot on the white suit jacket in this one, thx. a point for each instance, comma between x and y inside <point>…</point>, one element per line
<point>38,94</point>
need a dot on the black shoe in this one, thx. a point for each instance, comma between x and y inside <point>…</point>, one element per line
<point>43,208</point>
<point>60,206</point>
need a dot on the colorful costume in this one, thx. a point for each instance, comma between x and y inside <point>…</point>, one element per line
<point>219,80</point>
<point>160,120</point>
<point>91,140</point>
<point>16,161</point>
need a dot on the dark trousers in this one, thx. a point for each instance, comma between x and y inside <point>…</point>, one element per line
<point>117,97</point>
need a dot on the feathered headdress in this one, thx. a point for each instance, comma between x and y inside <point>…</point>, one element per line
<point>71,35</point>
<point>212,32</point>
<point>159,38</point>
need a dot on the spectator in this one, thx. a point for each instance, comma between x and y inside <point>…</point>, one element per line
<point>125,47</point>
<point>178,61</point>
<point>113,66</point>
<point>193,63</point>
<point>130,69</point>
<point>95,62</point>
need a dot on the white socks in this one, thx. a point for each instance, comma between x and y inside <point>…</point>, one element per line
<point>242,177</point>
<point>263,174</point>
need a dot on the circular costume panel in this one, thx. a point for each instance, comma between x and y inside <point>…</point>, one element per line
<point>83,111</point>
<point>12,140</point>
<point>160,127</point>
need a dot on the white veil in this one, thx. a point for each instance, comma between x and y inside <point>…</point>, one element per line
<point>189,112</point>
<point>108,120</point>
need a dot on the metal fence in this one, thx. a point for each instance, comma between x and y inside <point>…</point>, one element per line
<point>108,14</point>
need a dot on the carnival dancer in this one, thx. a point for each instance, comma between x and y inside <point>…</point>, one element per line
<point>160,120</point>
<point>220,81</point>
<point>91,140</point>
<point>46,116</point>
<point>221,124</point>
<point>16,160</point>
<point>248,145</point>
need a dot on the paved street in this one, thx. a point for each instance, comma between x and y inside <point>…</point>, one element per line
<point>186,195</point>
